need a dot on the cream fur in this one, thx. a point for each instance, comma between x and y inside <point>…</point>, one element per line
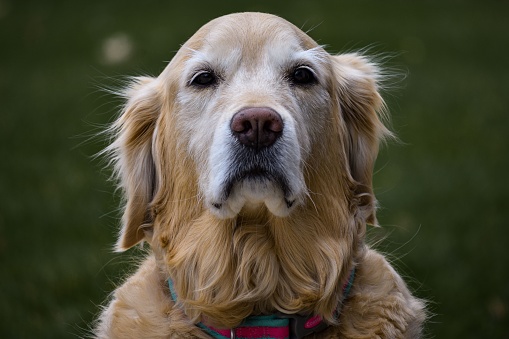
<point>250,251</point>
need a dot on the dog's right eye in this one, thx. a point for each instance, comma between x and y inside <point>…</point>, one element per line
<point>203,79</point>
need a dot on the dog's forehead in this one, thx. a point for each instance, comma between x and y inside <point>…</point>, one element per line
<point>249,37</point>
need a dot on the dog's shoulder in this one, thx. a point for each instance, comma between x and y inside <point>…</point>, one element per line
<point>141,308</point>
<point>380,304</point>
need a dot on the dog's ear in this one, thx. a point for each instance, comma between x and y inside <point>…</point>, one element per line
<point>131,154</point>
<point>362,109</point>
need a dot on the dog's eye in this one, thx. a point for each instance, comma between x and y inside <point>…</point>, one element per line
<point>303,76</point>
<point>204,79</point>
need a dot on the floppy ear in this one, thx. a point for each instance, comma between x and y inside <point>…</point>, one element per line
<point>131,153</point>
<point>361,108</point>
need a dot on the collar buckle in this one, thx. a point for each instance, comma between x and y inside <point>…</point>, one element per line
<point>303,325</point>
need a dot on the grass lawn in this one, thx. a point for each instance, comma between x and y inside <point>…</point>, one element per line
<point>443,191</point>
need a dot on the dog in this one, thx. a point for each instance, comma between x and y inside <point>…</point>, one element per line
<point>246,165</point>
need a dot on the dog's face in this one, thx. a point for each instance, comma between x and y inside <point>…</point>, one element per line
<point>248,114</point>
<point>251,107</point>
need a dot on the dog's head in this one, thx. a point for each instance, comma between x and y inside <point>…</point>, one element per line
<point>247,166</point>
<point>251,118</point>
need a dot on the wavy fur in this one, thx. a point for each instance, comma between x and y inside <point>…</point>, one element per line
<point>227,268</point>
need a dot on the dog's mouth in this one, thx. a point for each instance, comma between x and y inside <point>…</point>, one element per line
<point>254,185</point>
<point>258,178</point>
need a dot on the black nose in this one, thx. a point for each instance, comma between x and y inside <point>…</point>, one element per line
<point>257,127</point>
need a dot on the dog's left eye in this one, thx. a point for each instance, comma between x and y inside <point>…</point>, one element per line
<point>204,79</point>
<point>303,76</point>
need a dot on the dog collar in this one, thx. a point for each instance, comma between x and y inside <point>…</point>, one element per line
<point>276,326</point>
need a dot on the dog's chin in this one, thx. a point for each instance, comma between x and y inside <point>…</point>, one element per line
<point>252,193</point>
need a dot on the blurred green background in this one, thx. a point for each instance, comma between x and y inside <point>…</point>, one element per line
<point>444,191</point>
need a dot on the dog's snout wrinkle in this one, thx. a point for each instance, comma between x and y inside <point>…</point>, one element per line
<point>257,127</point>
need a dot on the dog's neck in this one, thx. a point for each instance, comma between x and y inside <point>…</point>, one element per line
<point>227,270</point>
<point>278,325</point>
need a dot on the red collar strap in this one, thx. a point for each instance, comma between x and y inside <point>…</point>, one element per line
<point>276,326</point>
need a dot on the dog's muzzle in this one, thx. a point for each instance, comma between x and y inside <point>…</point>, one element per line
<point>259,165</point>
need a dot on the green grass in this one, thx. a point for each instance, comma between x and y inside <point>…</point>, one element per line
<point>444,192</point>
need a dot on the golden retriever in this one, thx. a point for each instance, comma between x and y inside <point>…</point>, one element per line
<point>246,165</point>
